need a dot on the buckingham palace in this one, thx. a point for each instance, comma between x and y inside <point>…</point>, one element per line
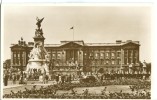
<point>78,56</point>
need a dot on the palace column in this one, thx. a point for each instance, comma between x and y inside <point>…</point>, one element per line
<point>122,54</point>
<point>132,56</point>
<point>137,56</point>
<point>64,57</point>
<point>12,58</point>
<point>127,58</point>
<point>24,58</point>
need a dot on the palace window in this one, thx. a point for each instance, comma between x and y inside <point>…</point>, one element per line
<point>85,55</point>
<point>129,53</point>
<point>14,60</point>
<point>49,55</point>
<point>80,52</point>
<point>112,54</point>
<point>93,63</point>
<point>101,56</point>
<point>107,62</point>
<point>14,54</point>
<point>90,55</point>
<point>18,55</point>
<point>102,62</point>
<point>53,56</point>
<point>135,53</point>
<point>98,62</point>
<point>125,60</point>
<point>112,62</point>
<point>134,60</point>
<point>58,55</point>
<point>107,54</point>
<point>118,54</point>
<point>125,53</point>
<point>118,61</point>
<point>96,55</point>
<point>129,60</point>
<point>22,55</point>
<point>18,61</point>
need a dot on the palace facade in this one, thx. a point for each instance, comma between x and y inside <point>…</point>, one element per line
<point>78,56</point>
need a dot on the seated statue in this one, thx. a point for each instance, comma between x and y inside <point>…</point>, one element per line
<point>35,53</point>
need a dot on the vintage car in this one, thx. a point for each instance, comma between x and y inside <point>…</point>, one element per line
<point>88,79</point>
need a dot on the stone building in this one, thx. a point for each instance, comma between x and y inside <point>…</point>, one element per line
<point>78,56</point>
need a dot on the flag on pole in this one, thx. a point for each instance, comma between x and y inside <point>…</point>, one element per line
<point>72,28</point>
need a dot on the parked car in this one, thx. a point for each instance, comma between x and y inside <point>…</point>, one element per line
<point>88,79</point>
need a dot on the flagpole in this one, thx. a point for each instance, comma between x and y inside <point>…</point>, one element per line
<point>73,33</point>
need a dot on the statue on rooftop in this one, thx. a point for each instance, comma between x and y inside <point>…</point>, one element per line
<point>39,22</point>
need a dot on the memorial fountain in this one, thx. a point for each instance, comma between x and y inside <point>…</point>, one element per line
<point>38,57</point>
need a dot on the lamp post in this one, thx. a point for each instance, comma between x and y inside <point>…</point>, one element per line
<point>21,64</point>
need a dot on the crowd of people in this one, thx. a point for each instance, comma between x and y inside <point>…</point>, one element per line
<point>128,75</point>
<point>36,75</point>
<point>15,74</point>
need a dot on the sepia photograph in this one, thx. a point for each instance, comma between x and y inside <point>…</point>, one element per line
<point>76,51</point>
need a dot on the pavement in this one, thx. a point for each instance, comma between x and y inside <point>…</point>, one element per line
<point>11,85</point>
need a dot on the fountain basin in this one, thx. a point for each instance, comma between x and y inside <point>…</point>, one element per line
<point>38,64</point>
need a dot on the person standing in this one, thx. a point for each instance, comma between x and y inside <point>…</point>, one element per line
<point>144,67</point>
<point>102,78</point>
<point>41,78</point>
<point>69,78</point>
<point>57,78</point>
<point>60,79</point>
<point>25,80</point>
<point>14,79</point>
<point>46,78</point>
<point>5,80</point>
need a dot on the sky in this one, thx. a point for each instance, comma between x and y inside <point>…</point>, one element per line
<point>93,24</point>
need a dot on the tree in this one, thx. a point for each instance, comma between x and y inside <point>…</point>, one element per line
<point>7,63</point>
